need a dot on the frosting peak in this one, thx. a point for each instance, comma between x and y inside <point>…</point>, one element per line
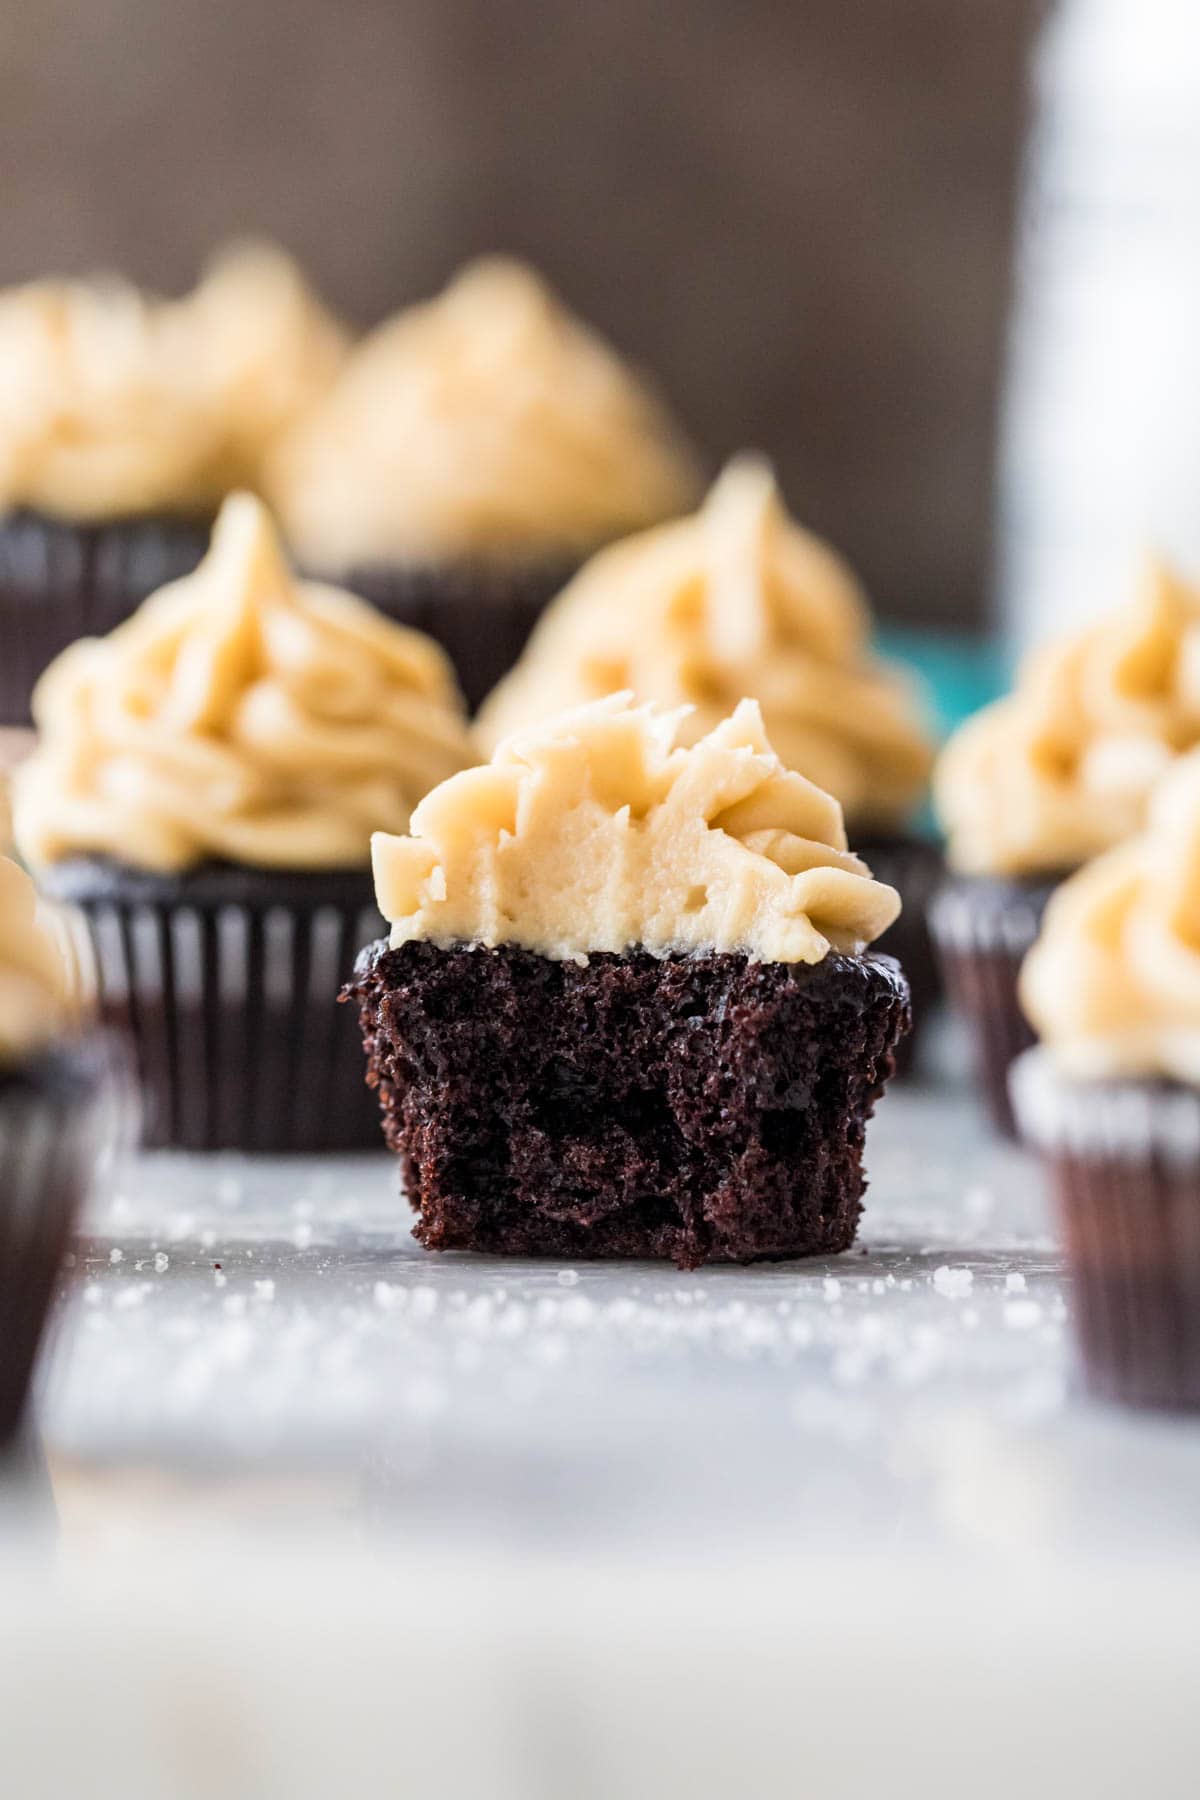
<point>1064,766</point>
<point>36,984</point>
<point>239,714</point>
<point>1113,983</point>
<point>597,832</point>
<point>734,600</point>
<point>487,424</point>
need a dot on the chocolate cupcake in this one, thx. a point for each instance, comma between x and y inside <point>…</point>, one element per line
<point>1043,780</point>
<point>626,1007</point>
<point>736,600</point>
<point>56,1120</point>
<point>204,791</point>
<point>126,419</point>
<point>474,451</point>
<point>1111,1099</point>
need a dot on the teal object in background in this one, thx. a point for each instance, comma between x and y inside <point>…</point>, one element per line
<point>958,674</point>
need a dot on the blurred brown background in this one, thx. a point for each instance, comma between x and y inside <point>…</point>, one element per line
<point>798,214</point>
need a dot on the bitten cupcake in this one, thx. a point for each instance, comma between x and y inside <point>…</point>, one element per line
<point>474,451</point>
<point>55,1121</point>
<point>734,600</point>
<point>124,419</point>
<point>205,787</point>
<point>627,1006</point>
<point>1036,784</point>
<point>1111,1097</point>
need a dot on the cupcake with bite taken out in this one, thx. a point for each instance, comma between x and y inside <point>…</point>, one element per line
<point>124,420</point>
<point>1038,783</point>
<point>738,599</point>
<point>204,789</point>
<point>628,1006</point>
<point>473,452</point>
<point>57,1120</point>
<point>1111,1097</point>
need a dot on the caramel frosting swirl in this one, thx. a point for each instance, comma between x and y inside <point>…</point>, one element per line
<point>486,424</point>
<point>242,715</point>
<point>1113,983</point>
<point>115,403</point>
<point>1063,768</point>
<point>36,968</point>
<point>734,600</point>
<point>597,832</point>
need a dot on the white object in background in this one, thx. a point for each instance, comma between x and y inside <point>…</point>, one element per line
<point>1100,453</point>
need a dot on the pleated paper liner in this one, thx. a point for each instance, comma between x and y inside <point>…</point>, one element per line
<point>226,982</point>
<point>62,1115</point>
<point>982,928</point>
<point>1124,1163</point>
<point>60,581</point>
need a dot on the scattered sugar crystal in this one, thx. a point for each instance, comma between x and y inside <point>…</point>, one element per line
<point>831,1287</point>
<point>162,1263</point>
<point>116,1256</point>
<point>1014,1282</point>
<point>567,1277</point>
<point>264,1290</point>
<point>953,1283</point>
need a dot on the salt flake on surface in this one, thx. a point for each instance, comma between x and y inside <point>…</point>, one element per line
<point>953,1284</point>
<point>567,1277</point>
<point>162,1263</point>
<point>116,1256</point>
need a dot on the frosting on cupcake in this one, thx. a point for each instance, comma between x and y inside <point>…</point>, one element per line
<point>115,403</point>
<point>240,715</point>
<point>595,832</point>
<point>1113,983</point>
<point>734,600</point>
<point>485,425</point>
<point>1064,767</point>
<point>36,988</point>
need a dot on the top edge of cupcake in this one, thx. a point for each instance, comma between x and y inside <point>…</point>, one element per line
<point>1113,983</point>
<point>37,988</point>
<point>597,831</point>
<point>487,424</point>
<point>117,403</point>
<point>1064,766</point>
<point>735,599</point>
<point>239,715</point>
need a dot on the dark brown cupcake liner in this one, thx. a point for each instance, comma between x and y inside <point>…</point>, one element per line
<point>225,982</point>
<point>60,1116</point>
<point>1124,1163</point>
<point>916,869</point>
<point>60,581</point>
<point>481,615</point>
<point>982,929</point>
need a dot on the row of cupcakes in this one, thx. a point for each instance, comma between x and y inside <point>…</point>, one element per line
<point>454,466</point>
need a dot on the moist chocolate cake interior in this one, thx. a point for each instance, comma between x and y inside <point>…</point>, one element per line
<point>690,1107</point>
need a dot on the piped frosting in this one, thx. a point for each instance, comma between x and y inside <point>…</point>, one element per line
<point>36,969</point>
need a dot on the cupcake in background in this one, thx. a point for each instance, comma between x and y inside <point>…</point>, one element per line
<point>738,600</point>
<point>57,1120</point>
<point>1111,1097</point>
<point>1039,782</point>
<point>474,451</point>
<point>124,419</point>
<point>204,790</point>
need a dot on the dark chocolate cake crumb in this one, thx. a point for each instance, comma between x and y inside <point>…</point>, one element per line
<point>687,1107</point>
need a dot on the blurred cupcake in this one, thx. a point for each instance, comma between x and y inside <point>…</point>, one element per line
<point>1036,784</point>
<point>737,600</point>
<point>474,451</point>
<point>55,1122</point>
<point>124,419</point>
<point>1111,1098</point>
<point>205,787</point>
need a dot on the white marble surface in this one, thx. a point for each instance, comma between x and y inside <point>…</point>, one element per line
<point>914,1396</point>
